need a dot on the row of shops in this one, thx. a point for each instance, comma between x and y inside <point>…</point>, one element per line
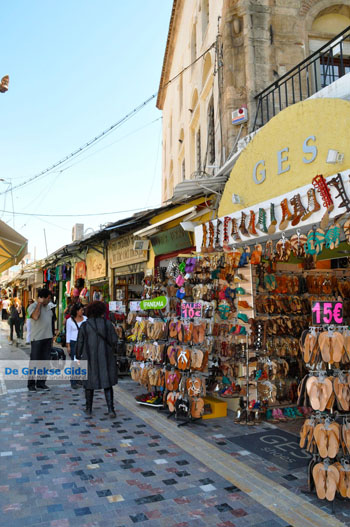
<point>247,290</point>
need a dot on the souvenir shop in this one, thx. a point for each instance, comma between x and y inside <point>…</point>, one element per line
<point>258,316</point>
<point>96,274</point>
<point>128,267</point>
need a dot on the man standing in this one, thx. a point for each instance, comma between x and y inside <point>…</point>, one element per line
<point>41,334</point>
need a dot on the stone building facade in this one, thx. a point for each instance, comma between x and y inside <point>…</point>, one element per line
<point>252,44</point>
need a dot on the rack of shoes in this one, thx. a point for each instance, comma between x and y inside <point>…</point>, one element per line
<point>326,389</point>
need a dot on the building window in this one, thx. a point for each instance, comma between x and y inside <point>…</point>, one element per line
<point>181,92</point>
<point>205,16</point>
<point>194,43</point>
<point>183,170</point>
<point>198,150</point>
<point>211,134</point>
<point>332,68</point>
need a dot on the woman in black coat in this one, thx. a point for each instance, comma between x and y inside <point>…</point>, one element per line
<point>96,342</point>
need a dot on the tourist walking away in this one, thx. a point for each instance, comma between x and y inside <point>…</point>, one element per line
<point>97,340</point>
<point>13,320</point>
<point>5,306</point>
<point>40,314</point>
<point>28,322</point>
<point>21,317</point>
<point>73,324</point>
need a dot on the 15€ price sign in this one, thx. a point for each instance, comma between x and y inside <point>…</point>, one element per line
<point>191,309</point>
<point>327,313</point>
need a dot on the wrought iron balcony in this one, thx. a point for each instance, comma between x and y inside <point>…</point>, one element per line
<point>317,71</point>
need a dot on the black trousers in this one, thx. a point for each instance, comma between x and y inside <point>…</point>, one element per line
<point>40,350</point>
<point>14,323</point>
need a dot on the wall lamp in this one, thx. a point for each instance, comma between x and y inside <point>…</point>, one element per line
<point>334,156</point>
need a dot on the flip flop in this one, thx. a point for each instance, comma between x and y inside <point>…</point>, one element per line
<point>326,390</point>
<point>320,436</point>
<point>337,346</point>
<point>324,342</point>
<point>313,392</point>
<point>319,475</point>
<point>333,436</point>
<point>332,480</point>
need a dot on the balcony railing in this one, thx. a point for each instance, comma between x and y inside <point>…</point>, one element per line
<point>317,71</point>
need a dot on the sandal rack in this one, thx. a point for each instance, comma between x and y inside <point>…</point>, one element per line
<point>171,357</point>
<point>326,389</point>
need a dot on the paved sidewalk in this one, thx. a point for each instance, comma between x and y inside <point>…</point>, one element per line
<point>60,469</point>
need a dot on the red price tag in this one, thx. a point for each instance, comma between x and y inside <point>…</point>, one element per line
<point>327,313</point>
<point>191,309</point>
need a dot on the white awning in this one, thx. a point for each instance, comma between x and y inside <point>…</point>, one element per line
<point>152,229</point>
<point>13,247</point>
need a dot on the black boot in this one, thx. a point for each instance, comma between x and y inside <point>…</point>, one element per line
<point>89,395</point>
<point>109,401</point>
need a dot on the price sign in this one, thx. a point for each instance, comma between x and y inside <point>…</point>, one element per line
<point>191,309</point>
<point>134,305</point>
<point>327,313</point>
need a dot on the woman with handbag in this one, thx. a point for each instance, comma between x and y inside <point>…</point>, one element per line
<point>73,325</point>
<point>97,341</point>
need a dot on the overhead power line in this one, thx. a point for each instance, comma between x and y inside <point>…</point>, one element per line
<point>78,215</point>
<point>103,134</point>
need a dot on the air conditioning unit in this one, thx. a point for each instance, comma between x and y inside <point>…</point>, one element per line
<point>240,116</point>
<point>141,245</point>
<point>77,232</point>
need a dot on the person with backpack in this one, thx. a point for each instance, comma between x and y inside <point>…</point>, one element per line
<point>13,320</point>
<point>73,323</point>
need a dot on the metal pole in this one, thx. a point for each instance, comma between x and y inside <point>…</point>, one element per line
<point>47,254</point>
<point>13,209</point>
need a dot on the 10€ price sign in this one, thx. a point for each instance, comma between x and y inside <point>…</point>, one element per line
<point>327,313</point>
<point>191,309</point>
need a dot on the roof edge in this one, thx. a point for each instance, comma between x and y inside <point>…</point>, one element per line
<point>177,6</point>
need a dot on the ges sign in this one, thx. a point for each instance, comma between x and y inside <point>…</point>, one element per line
<point>310,151</point>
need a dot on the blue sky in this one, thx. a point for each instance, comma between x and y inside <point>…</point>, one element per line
<point>76,67</point>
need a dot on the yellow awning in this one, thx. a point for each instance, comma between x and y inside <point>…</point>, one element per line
<point>13,246</point>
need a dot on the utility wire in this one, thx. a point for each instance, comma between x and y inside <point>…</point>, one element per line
<point>79,215</point>
<point>103,134</point>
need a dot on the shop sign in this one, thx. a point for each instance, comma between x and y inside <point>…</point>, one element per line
<point>276,446</point>
<point>327,313</point>
<point>131,269</point>
<point>159,302</point>
<point>116,306</point>
<point>96,265</point>
<point>283,165</point>
<point>121,253</point>
<point>80,270</point>
<point>171,240</point>
<point>191,309</point>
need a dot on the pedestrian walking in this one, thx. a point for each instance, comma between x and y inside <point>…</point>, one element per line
<point>73,324</point>
<point>13,320</point>
<point>96,342</point>
<point>5,306</point>
<point>21,317</point>
<point>28,322</point>
<point>40,314</point>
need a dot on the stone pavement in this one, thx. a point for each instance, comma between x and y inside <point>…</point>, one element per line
<point>59,468</point>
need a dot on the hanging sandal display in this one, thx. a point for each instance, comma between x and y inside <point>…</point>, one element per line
<point>312,204</point>
<point>286,215</point>
<point>299,209</point>
<point>242,225</point>
<point>321,185</point>
<point>273,221</point>
<point>251,227</point>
